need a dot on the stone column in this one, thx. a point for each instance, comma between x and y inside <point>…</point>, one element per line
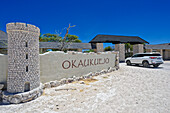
<point>121,49</point>
<point>23,57</point>
<point>138,48</point>
<point>99,47</point>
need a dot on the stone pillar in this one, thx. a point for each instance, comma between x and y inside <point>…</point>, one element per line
<point>79,50</point>
<point>138,48</point>
<point>121,49</point>
<point>23,57</point>
<point>161,52</point>
<point>99,47</point>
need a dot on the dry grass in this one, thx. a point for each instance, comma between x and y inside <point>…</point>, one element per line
<point>105,77</point>
<point>90,80</point>
<point>86,81</point>
<point>81,90</point>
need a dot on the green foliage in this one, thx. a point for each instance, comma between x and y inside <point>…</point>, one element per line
<point>108,48</point>
<point>88,51</point>
<point>72,38</point>
<point>50,38</point>
<point>128,46</point>
<point>55,38</point>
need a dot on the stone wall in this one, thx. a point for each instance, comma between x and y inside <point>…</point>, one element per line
<point>23,57</point>
<point>57,65</point>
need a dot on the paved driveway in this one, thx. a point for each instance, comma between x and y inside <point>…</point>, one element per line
<point>131,89</point>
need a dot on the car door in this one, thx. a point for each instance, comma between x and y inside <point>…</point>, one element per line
<point>133,59</point>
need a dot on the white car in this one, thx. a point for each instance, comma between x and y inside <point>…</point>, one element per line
<point>146,59</point>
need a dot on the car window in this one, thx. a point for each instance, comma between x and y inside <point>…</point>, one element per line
<point>140,55</point>
<point>152,55</point>
<point>135,55</point>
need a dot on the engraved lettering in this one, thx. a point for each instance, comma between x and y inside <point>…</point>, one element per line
<point>73,64</point>
<point>69,64</point>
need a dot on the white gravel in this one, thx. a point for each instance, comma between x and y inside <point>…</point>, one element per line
<point>131,89</point>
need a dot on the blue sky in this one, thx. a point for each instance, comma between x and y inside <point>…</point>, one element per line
<point>149,19</point>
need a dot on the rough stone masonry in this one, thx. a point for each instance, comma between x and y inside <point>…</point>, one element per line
<point>23,57</point>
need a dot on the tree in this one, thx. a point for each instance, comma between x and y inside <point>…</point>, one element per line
<point>108,48</point>
<point>72,38</point>
<point>65,41</point>
<point>128,47</point>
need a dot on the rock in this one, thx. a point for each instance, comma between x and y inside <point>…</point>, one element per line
<point>70,80</point>
<point>5,101</point>
<point>103,72</point>
<point>57,83</point>
<point>84,76</point>
<point>81,78</point>
<point>110,69</point>
<point>92,53</point>
<point>53,84</point>
<point>70,52</point>
<point>117,67</point>
<point>89,75</point>
<point>114,69</point>
<point>25,97</point>
<point>47,85</point>
<point>77,79</point>
<point>15,100</point>
<point>1,86</point>
<point>97,73</point>
<point>93,74</point>
<point>82,82</point>
<point>63,81</point>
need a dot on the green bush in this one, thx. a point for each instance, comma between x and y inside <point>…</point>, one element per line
<point>108,48</point>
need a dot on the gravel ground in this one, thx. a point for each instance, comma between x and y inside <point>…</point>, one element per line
<point>131,89</point>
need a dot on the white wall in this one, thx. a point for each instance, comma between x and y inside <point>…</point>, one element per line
<point>3,68</point>
<point>55,65</point>
<point>58,65</point>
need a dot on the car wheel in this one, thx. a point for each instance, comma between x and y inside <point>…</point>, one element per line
<point>146,64</point>
<point>156,65</point>
<point>128,63</point>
